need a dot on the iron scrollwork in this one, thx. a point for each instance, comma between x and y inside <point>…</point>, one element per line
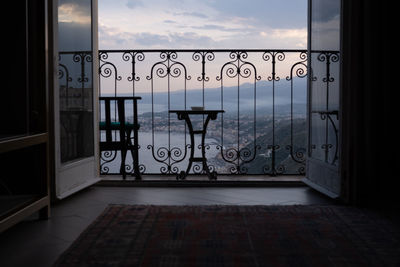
<point>273,57</point>
<point>298,154</point>
<point>328,57</point>
<point>237,150</point>
<point>238,68</point>
<point>168,68</point>
<point>107,70</point>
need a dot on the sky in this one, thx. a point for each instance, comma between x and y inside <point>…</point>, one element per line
<point>198,24</point>
<point>156,24</point>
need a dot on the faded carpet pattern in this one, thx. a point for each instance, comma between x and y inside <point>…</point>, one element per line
<point>142,235</point>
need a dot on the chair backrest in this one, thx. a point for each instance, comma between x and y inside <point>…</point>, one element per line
<point>111,124</point>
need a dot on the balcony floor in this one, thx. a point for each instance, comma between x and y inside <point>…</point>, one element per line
<point>202,180</point>
<point>39,242</point>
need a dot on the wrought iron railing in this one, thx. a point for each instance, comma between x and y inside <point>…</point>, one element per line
<point>263,93</point>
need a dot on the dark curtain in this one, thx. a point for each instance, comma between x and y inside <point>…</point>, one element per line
<point>369,166</point>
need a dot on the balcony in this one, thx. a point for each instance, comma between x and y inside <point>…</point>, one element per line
<point>262,134</point>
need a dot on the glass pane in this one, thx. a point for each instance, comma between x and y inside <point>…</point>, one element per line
<point>324,87</point>
<point>75,79</point>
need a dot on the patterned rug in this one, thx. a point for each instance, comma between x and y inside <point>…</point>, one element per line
<point>235,236</point>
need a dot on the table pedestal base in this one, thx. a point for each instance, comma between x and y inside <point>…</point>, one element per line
<point>184,115</point>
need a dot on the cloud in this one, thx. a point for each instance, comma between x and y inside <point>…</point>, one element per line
<point>190,40</point>
<point>74,19</point>
<point>191,14</point>
<point>204,24</point>
<point>217,27</point>
<point>170,21</point>
<point>330,10</point>
<point>115,38</point>
<point>149,39</point>
<point>289,33</point>
<point>271,13</point>
<point>68,33</point>
<point>328,33</point>
<point>132,4</point>
<point>70,12</point>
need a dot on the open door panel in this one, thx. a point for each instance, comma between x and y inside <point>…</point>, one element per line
<point>324,96</point>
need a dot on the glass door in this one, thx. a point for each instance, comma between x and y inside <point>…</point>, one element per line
<point>76,97</point>
<point>324,96</point>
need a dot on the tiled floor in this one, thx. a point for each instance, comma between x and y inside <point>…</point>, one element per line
<point>39,243</point>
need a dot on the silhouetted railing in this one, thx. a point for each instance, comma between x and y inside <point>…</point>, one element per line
<point>263,93</point>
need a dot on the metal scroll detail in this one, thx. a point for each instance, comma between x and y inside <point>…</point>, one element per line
<point>74,100</point>
<point>204,56</point>
<point>238,68</point>
<point>297,153</point>
<point>247,84</point>
<point>273,57</point>
<point>168,68</point>
<point>133,57</point>
<point>108,70</point>
<point>65,80</point>
<point>327,114</point>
